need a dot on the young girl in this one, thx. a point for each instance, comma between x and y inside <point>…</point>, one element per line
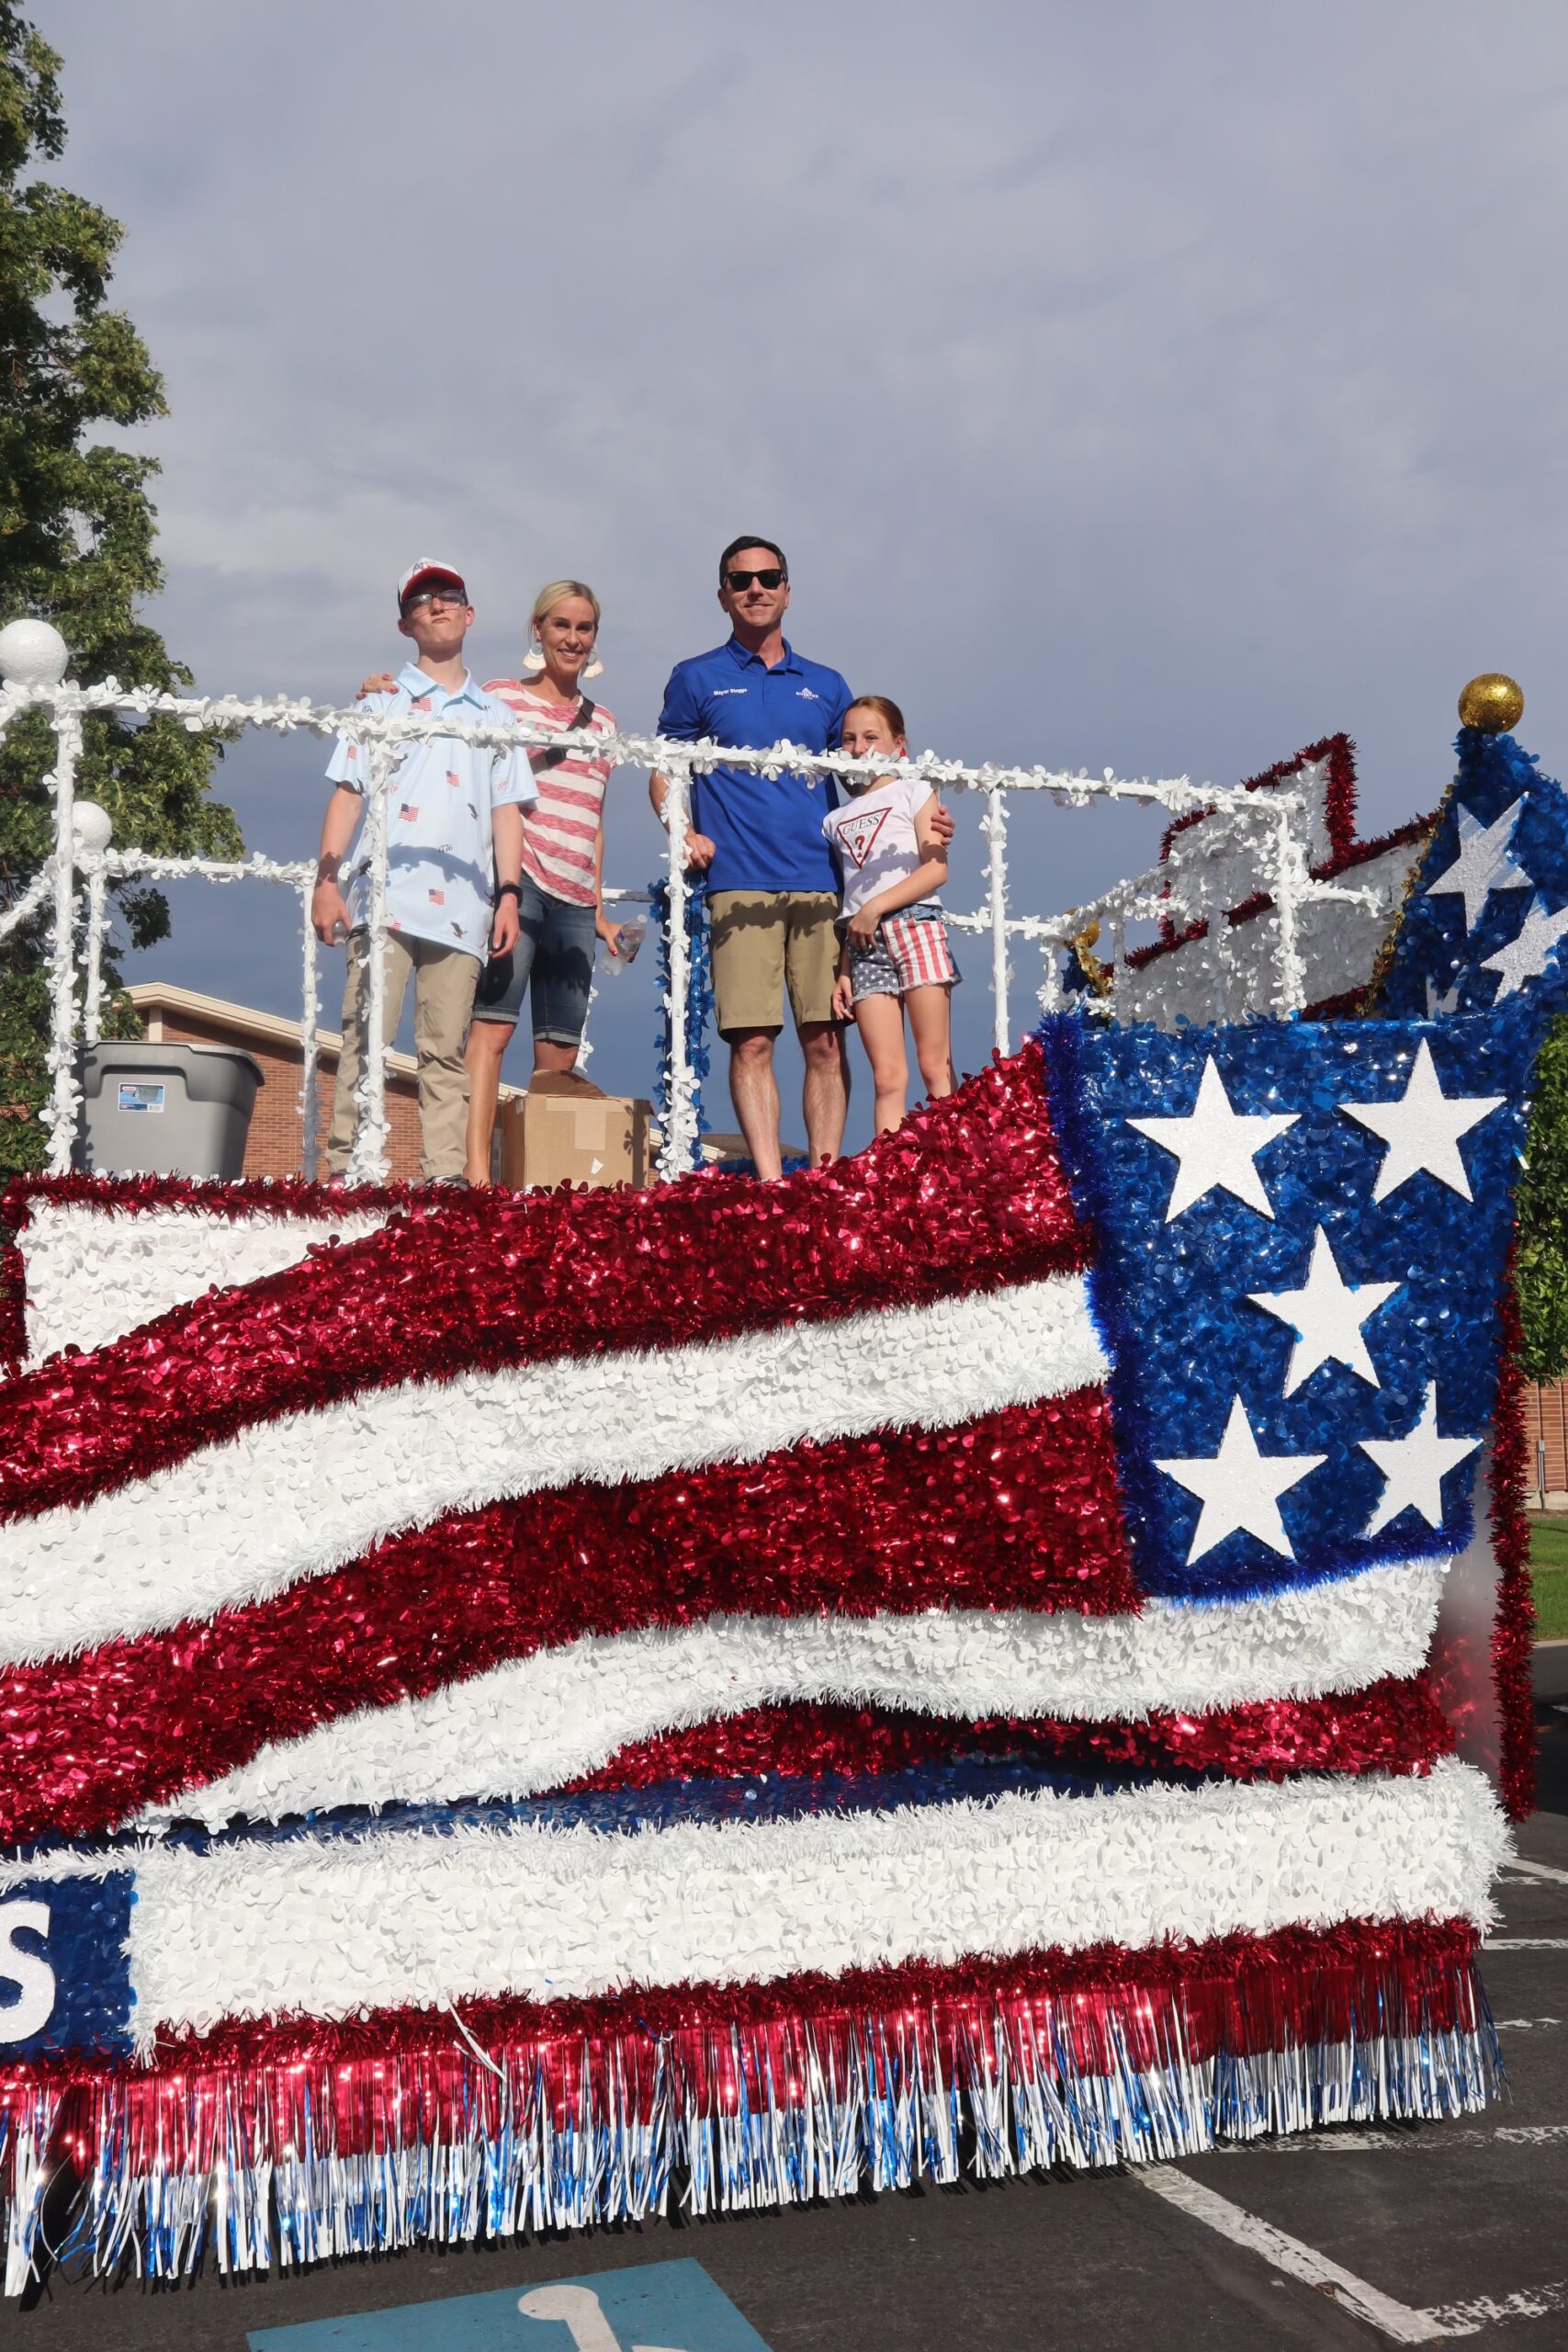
<point>895,957</point>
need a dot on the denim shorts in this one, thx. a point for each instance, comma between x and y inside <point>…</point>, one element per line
<point>553,960</point>
<point>910,951</point>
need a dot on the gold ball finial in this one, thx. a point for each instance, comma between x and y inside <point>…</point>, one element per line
<point>1492,703</point>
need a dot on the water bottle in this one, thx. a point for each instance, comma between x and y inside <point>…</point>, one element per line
<point>633,933</point>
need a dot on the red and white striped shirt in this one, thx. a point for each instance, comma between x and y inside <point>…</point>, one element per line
<point>559,833</point>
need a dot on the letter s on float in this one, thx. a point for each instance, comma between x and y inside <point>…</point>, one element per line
<point>29,1971</point>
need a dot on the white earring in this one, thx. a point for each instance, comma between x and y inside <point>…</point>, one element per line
<point>595,668</point>
<point>535,658</point>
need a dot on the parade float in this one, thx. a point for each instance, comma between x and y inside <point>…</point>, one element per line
<point>532,1710</point>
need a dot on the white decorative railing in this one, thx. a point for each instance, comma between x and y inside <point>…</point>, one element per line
<point>1269,828</point>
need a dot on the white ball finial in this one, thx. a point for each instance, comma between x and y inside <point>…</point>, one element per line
<point>32,654</point>
<point>92,828</point>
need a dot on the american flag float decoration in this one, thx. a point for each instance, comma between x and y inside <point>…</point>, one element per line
<point>520,1710</point>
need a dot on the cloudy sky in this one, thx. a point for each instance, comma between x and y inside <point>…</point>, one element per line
<point>1136,385</point>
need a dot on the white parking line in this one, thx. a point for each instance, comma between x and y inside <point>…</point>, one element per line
<point>1542,1873</point>
<point>1397,2320</point>
<point>1526,1943</point>
<point>1532,2302</point>
<point>1523,2025</point>
<point>1432,2140</point>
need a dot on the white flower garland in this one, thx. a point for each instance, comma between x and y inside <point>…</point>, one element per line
<point>1274,824</point>
<point>92,1276</point>
<point>328,1926</point>
<point>527,1726</point>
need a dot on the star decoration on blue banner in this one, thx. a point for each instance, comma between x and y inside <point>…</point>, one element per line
<point>1300,1229</point>
<point>1488,910</point>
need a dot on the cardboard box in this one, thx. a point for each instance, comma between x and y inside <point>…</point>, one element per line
<point>564,1130</point>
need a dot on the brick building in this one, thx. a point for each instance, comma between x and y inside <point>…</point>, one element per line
<point>275,1147</point>
<point>1546,1436</point>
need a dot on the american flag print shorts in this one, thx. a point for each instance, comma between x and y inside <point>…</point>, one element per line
<point>910,951</point>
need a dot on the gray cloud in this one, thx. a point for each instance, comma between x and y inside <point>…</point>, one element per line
<point>1130,385</point>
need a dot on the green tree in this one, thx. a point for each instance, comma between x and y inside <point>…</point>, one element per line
<point>76,548</point>
<point>1542,1260</point>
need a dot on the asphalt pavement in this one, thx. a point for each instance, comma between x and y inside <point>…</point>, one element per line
<point>1419,2235</point>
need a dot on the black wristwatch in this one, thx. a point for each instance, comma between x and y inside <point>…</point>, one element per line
<point>515,889</point>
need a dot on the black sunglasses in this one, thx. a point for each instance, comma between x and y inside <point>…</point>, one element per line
<point>773,577</point>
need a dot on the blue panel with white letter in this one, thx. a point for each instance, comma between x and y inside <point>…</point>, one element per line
<point>658,2306</point>
<point>64,1973</point>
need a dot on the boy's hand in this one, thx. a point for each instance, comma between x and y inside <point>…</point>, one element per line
<point>328,909</point>
<point>940,821</point>
<point>383,683</point>
<point>700,850</point>
<point>505,926</point>
<point>843,998</point>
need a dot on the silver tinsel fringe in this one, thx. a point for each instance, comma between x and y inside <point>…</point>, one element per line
<point>886,2117</point>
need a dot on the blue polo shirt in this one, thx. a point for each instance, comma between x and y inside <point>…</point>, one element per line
<point>766,830</point>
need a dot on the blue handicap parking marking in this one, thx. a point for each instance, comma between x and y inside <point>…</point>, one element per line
<point>658,2307</point>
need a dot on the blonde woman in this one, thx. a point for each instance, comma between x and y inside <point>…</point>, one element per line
<point>560,901</point>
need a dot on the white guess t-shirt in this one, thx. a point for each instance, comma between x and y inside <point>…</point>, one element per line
<point>874,838</point>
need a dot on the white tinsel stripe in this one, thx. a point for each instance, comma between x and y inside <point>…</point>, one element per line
<point>91,1276</point>
<point>300,1495</point>
<point>423,1918</point>
<point>526,1726</point>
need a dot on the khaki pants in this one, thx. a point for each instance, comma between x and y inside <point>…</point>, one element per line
<point>444,982</point>
<point>763,942</point>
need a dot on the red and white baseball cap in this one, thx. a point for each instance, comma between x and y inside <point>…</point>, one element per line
<point>427,568</point>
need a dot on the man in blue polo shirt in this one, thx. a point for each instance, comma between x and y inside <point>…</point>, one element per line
<point>771,887</point>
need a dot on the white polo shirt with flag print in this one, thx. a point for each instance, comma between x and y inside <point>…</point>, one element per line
<point>440,857</point>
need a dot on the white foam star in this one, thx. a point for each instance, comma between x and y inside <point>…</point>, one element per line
<point>1216,1146</point>
<point>1436,1004</point>
<point>1524,958</point>
<point>1422,1129</point>
<point>1413,1467</point>
<point>1326,1314</point>
<point>1483,864</point>
<point>1240,1488</point>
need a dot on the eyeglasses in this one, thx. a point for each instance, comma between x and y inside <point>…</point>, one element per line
<point>434,597</point>
<point>773,577</point>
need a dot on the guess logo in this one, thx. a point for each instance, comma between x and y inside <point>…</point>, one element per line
<point>856,834</point>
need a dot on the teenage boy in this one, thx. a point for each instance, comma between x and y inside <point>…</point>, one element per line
<point>771,888</point>
<point>454,865</point>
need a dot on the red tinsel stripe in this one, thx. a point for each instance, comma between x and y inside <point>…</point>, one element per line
<point>1513,1627</point>
<point>968,1194</point>
<point>1391,1726</point>
<point>13,1305</point>
<point>1018,1509</point>
<point>1244,1994</point>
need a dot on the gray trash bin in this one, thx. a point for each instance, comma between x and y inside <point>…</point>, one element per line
<point>165,1110</point>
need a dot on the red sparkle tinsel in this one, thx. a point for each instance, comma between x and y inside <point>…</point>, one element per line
<point>1018,1510</point>
<point>391,2075</point>
<point>1513,1627</point>
<point>969,1194</point>
<point>1391,1726</point>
